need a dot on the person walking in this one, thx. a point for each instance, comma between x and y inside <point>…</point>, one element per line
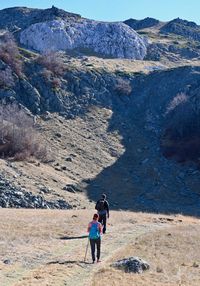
<point>102,207</point>
<point>95,231</point>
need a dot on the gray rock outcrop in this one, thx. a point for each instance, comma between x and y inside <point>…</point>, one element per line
<point>108,39</point>
<point>182,27</point>
<point>141,24</point>
<point>132,264</point>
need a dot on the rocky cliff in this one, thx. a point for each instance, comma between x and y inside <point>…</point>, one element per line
<point>107,39</point>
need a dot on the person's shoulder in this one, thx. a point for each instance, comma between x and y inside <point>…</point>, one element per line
<point>100,225</point>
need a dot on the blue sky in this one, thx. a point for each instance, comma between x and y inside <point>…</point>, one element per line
<point>118,10</point>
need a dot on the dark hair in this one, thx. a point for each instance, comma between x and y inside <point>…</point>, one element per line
<point>103,196</point>
<point>95,216</point>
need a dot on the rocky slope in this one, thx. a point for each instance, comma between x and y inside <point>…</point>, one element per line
<point>182,27</point>
<point>128,128</point>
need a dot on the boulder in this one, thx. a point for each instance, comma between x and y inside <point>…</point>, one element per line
<point>132,264</point>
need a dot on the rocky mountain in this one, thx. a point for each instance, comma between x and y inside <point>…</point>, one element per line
<point>19,18</point>
<point>141,24</point>
<point>54,29</point>
<point>126,127</point>
<point>184,28</point>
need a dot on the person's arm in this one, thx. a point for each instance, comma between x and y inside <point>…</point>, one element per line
<point>107,208</point>
<point>89,227</point>
<point>96,206</point>
<point>100,228</point>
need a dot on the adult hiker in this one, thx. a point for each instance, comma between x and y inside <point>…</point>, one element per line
<point>102,207</point>
<point>95,231</point>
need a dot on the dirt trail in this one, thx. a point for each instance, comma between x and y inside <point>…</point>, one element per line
<point>111,243</point>
<point>65,266</point>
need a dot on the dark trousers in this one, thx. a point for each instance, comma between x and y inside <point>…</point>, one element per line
<point>102,220</point>
<point>96,242</point>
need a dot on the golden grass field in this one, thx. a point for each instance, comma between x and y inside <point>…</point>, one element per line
<point>47,248</point>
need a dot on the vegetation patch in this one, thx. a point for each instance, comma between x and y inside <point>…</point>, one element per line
<point>18,136</point>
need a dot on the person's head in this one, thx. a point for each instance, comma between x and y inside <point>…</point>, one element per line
<point>95,217</point>
<point>103,196</point>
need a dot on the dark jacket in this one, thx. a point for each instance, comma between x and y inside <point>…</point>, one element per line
<point>106,208</point>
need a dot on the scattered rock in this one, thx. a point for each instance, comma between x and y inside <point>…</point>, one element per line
<point>68,159</point>
<point>59,135</point>
<point>57,169</point>
<point>74,216</point>
<point>195,264</point>
<point>159,269</point>
<point>45,190</point>
<point>72,188</point>
<point>69,188</point>
<point>7,261</point>
<point>16,197</point>
<point>64,168</point>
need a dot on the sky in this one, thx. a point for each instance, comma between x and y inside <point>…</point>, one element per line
<point>119,10</point>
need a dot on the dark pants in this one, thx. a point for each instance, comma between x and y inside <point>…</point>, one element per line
<point>96,242</point>
<point>102,220</point>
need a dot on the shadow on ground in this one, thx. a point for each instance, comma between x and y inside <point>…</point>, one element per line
<point>141,179</point>
<point>77,262</point>
<point>73,237</point>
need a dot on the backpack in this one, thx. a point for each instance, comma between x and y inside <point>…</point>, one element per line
<point>100,205</point>
<point>94,231</point>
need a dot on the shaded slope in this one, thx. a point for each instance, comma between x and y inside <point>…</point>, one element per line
<point>142,179</point>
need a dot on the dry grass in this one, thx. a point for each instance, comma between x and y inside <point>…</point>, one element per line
<point>173,256</point>
<point>31,240</point>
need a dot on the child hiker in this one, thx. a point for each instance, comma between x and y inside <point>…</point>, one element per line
<point>95,232</point>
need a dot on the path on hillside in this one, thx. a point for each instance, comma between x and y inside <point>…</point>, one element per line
<point>66,266</point>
